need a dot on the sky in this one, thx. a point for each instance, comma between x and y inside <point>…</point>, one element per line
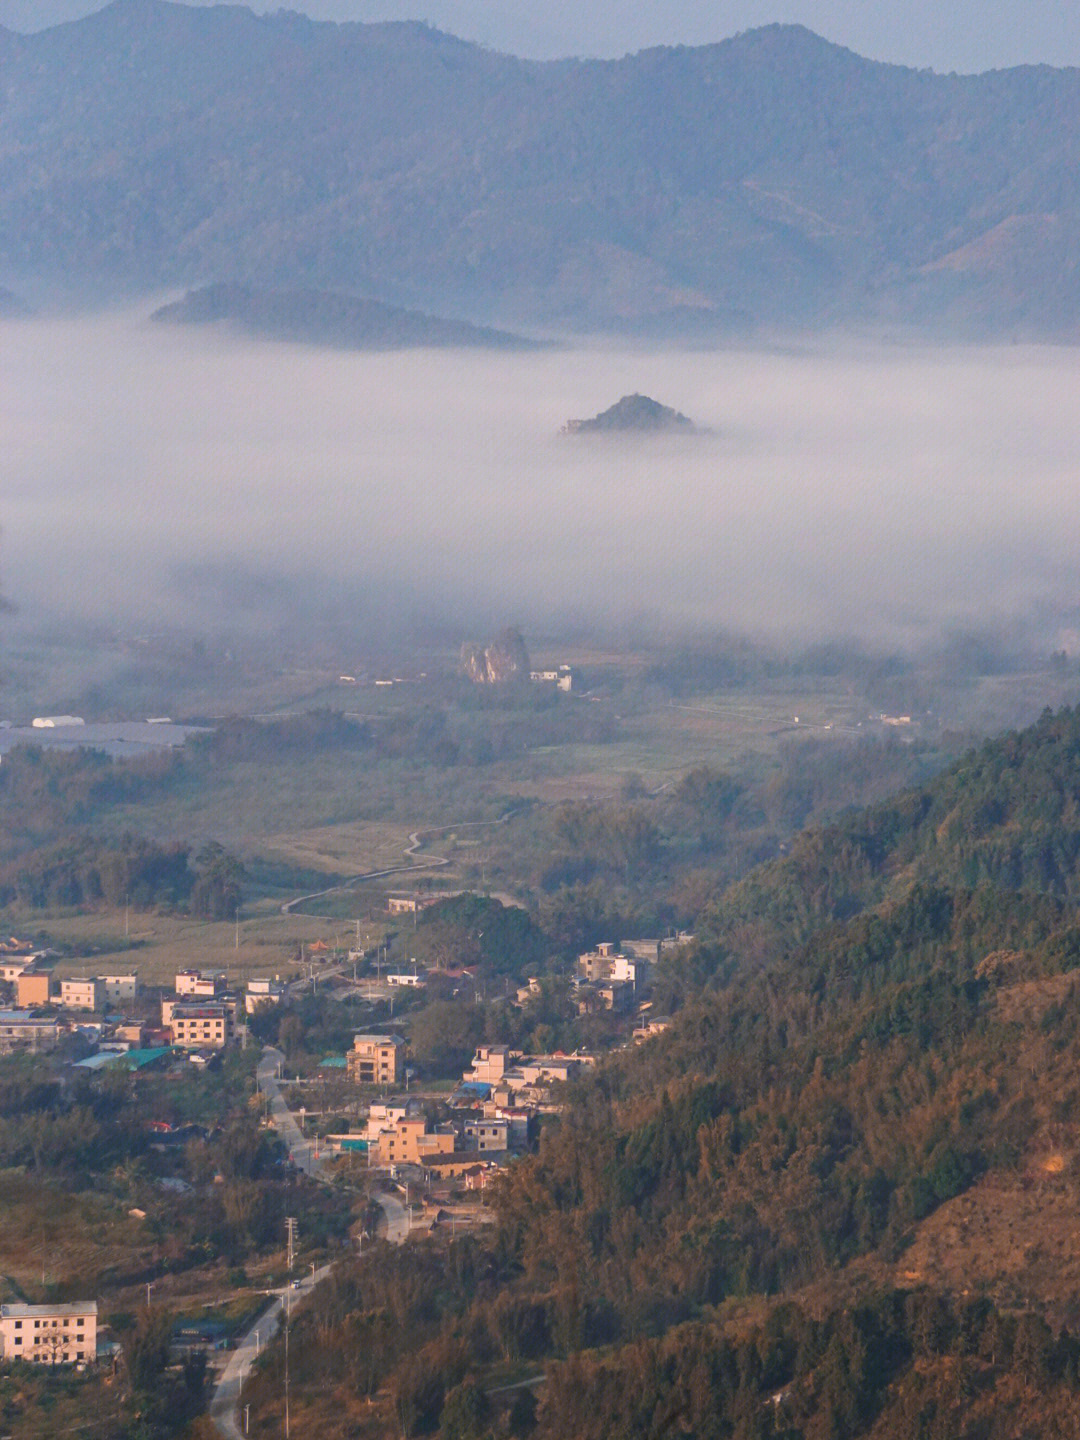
<point>964,35</point>
<point>198,480</point>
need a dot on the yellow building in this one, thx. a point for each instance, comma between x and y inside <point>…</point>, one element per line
<point>376,1060</point>
<point>49,1334</point>
<point>200,1027</point>
<point>32,989</point>
<point>81,994</point>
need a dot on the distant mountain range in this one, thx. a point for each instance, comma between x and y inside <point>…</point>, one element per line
<point>771,179</point>
<point>320,317</point>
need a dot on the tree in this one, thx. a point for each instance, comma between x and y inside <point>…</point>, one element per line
<point>216,893</point>
<point>465,1414</point>
<point>147,1348</point>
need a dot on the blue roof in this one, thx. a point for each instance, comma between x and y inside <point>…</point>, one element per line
<point>333,1062</point>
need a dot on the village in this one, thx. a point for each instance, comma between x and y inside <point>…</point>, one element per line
<point>437,1141</point>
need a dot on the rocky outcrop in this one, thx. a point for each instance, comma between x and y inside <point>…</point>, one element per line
<point>505,660</point>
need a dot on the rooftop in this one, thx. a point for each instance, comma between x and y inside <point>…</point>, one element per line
<point>21,1312</point>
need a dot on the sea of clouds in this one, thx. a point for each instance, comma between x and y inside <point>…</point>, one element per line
<point>154,475</point>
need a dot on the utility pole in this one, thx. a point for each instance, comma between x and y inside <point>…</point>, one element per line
<point>288,1311</point>
<point>290,1234</point>
<point>247,1409</point>
<point>149,1287</point>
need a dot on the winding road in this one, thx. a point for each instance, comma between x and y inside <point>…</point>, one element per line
<point>226,1397</point>
<point>396,1224</point>
<point>416,839</point>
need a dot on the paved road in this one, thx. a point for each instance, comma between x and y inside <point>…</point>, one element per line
<point>395,1227</point>
<point>519,1385</point>
<point>301,1150</point>
<point>226,1397</point>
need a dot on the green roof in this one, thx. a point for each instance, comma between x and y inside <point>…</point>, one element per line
<point>136,1059</point>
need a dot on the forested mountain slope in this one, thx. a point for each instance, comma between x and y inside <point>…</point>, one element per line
<point>836,1198</point>
<point>773,177</point>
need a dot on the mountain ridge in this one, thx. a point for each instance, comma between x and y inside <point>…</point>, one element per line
<point>791,182</point>
<point>322,317</point>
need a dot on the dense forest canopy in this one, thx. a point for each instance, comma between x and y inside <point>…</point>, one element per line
<point>719,1235</point>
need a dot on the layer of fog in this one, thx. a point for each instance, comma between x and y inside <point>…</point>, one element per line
<point>157,476</point>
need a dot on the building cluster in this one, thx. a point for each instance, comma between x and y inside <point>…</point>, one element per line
<point>618,978</point>
<point>200,1016</point>
<point>43,1009</point>
<point>491,1112</point>
<point>562,677</point>
<point>608,979</point>
<point>508,1078</point>
<point>399,1135</point>
<point>203,1016</point>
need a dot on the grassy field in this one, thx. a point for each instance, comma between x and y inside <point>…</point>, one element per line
<point>159,945</point>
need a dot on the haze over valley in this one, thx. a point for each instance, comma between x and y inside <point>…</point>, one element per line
<point>839,489</point>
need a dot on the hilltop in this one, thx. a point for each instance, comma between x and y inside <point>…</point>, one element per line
<point>322,318</point>
<point>633,414</point>
<point>791,181</point>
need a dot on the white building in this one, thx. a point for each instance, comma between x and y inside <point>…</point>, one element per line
<point>261,993</point>
<point>562,677</point>
<point>56,722</point>
<point>119,988</point>
<point>49,1334</point>
<point>20,1030</point>
<point>194,982</point>
<point>487,1136</point>
<point>489,1064</point>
